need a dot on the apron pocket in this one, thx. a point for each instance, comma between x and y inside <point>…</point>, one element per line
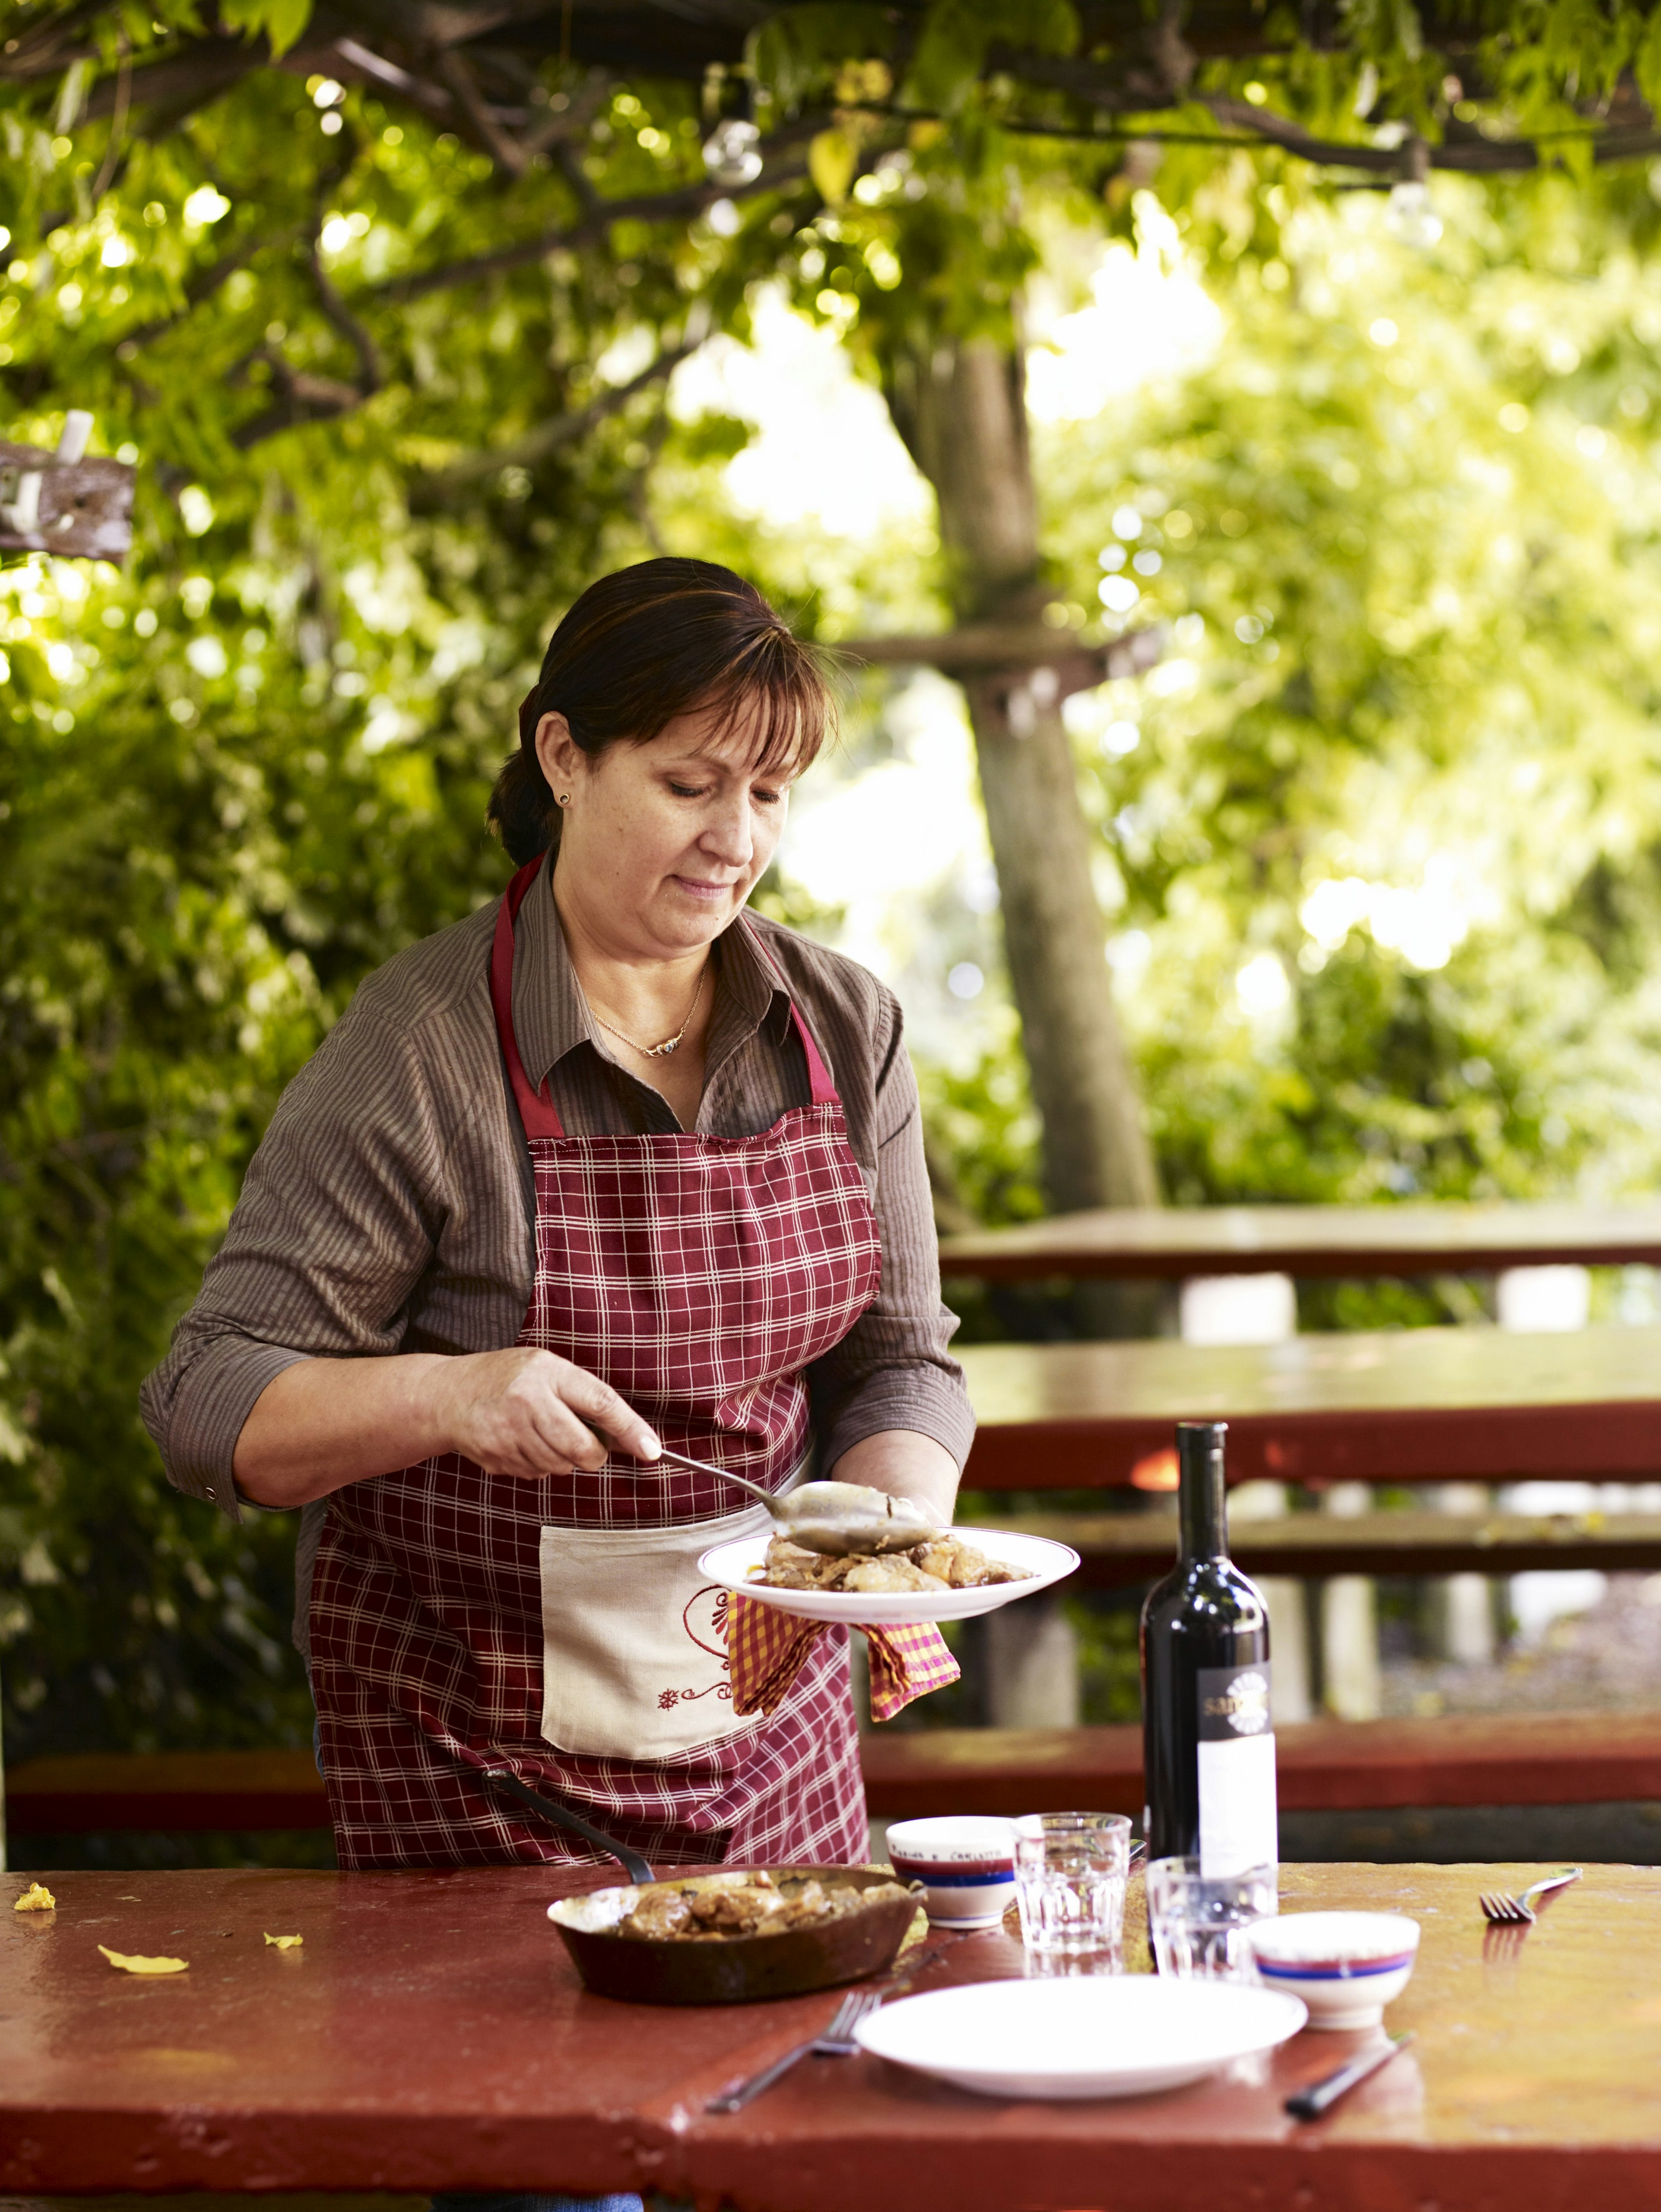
<point>634,1639</point>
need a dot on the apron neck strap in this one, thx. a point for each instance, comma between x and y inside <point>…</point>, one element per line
<point>822,1091</point>
<point>537,1112</point>
<point>536,1107</point>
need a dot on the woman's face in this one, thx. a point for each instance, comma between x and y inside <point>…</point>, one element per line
<point>661,844</point>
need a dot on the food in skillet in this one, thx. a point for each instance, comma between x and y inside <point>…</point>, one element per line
<point>945,1562</point>
<point>716,1907</point>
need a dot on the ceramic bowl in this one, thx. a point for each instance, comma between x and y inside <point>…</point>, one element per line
<point>965,1862</point>
<point>1346,1966</point>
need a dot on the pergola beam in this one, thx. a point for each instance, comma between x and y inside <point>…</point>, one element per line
<point>987,649</point>
<point>1129,68</point>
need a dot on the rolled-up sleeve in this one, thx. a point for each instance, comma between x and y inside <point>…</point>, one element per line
<point>334,1228</point>
<point>894,1369</point>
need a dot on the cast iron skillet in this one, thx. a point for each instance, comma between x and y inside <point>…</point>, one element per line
<point>739,1969</point>
<point>732,1970</point>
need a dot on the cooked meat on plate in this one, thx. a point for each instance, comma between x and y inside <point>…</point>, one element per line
<point>944,1562</point>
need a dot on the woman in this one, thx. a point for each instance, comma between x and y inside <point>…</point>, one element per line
<point>611,1166</point>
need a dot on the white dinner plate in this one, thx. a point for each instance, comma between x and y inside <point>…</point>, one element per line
<point>1112,2035</point>
<point>730,1565</point>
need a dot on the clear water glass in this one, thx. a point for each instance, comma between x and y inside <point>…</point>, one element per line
<point>1197,1923</point>
<point>1070,1870</point>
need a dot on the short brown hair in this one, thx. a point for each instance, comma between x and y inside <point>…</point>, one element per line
<point>643,646</point>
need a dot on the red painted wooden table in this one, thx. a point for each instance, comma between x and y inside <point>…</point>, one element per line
<point>1413,1404</point>
<point>430,2033</point>
<point>1306,1240</point>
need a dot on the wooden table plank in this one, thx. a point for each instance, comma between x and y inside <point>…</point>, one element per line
<point>1307,1240</point>
<point>1406,1405</point>
<point>431,2034</point>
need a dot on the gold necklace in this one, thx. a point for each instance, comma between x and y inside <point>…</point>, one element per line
<point>656,1051</point>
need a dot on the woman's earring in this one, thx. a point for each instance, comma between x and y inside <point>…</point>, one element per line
<point>563,800</point>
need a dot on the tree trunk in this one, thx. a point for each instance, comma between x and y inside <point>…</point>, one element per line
<point>962,411</point>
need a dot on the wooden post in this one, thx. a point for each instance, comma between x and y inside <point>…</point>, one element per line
<point>64,504</point>
<point>1350,1685</point>
<point>960,407</point>
<point>1461,1606</point>
<point>1259,1309</point>
<point>1032,1665</point>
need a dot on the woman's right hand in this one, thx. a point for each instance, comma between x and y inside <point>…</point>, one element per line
<point>324,1423</point>
<point>530,1414</point>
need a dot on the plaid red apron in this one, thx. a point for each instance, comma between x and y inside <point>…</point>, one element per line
<point>699,1276</point>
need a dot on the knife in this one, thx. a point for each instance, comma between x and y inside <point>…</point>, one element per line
<point>1319,2096</point>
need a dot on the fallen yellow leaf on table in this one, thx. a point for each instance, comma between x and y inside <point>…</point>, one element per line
<point>36,1898</point>
<point>285,1943</point>
<point>130,1965</point>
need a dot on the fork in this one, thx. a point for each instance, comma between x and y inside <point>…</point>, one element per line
<point>836,2042</point>
<point>1506,1911</point>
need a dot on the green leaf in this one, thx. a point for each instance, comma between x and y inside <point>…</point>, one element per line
<point>282,20</point>
<point>799,51</point>
<point>957,36</point>
<point>832,158</point>
<point>72,97</point>
<point>1647,61</point>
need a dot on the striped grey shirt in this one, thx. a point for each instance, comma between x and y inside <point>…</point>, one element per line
<point>391,1207</point>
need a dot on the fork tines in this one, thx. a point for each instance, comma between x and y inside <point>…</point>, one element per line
<point>1506,1911</point>
<point>858,2005</point>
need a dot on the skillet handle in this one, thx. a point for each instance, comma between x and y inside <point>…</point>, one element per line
<point>562,1817</point>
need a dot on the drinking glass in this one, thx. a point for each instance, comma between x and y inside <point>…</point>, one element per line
<point>1070,1871</point>
<point>1197,1923</point>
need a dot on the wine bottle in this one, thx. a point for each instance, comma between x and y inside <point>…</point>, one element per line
<point>1208,1737</point>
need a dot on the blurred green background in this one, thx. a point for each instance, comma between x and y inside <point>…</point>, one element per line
<point>1378,839</point>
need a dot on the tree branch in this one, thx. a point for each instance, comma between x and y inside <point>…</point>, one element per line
<point>503,150</point>
<point>562,129</point>
<point>206,283</point>
<point>301,399</point>
<point>570,164</point>
<point>679,206</point>
<point>40,52</point>
<point>1258,128</point>
<point>1473,157</point>
<point>536,445</point>
<point>112,162</point>
<point>180,83</point>
<point>364,61</point>
<point>335,308</point>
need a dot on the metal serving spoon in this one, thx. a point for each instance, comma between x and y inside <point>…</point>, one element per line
<point>834,1518</point>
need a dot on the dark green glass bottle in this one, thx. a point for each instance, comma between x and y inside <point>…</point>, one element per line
<point>1207,1734</point>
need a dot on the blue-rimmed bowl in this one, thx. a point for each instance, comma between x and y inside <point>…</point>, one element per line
<point>965,1862</point>
<point>1346,1966</point>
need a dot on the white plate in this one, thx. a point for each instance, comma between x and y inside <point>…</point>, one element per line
<point>730,1565</point>
<point>1118,2035</point>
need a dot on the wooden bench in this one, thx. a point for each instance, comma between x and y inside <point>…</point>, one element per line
<point>1174,1241</point>
<point>1421,1405</point>
<point>81,1795</point>
<point>1418,1405</point>
<point>1459,1759</point>
<point>1121,1551</point>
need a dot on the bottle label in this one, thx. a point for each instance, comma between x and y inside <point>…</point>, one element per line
<point>1238,1824</point>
